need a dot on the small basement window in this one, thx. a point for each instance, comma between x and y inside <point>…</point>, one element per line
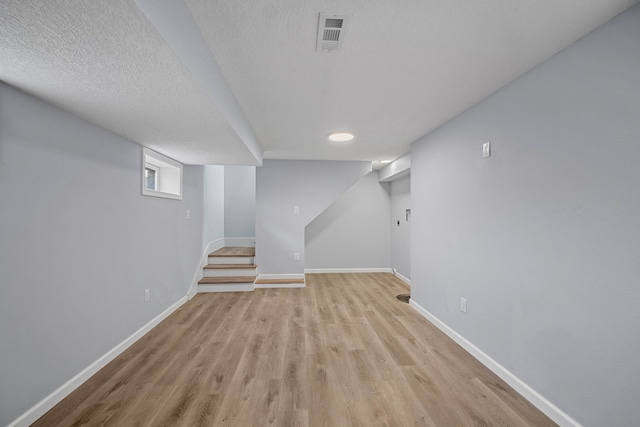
<point>161,176</point>
<point>151,177</point>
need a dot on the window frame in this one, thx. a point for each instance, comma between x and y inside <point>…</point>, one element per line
<point>156,171</point>
<point>166,168</point>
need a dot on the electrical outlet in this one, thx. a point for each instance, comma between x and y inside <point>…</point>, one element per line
<point>188,215</point>
<point>463,305</point>
<point>296,209</point>
<point>296,256</point>
<point>146,295</point>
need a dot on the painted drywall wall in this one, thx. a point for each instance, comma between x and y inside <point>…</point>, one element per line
<point>353,232</point>
<point>543,238</point>
<point>239,201</point>
<point>401,234</point>
<point>213,217</point>
<point>79,244</point>
<point>229,203</point>
<point>280,186</point>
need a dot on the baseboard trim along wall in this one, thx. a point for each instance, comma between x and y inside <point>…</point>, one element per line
<point>551,410</point>
<point>348,270</point>
<point>401,277</point>
<point>64,390</point>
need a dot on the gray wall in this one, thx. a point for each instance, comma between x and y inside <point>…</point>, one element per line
<point>543,238</point>
<point>78,246</point>
<point>229,202</point>
<point>239,201</point>
<point>401,235</point>
<point>353,232</point>
<point>213,218</point>
<point>283,184</point>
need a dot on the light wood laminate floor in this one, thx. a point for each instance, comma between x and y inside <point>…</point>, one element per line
<point>341,352</point>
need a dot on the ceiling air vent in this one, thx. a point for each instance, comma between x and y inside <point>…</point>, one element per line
<point>331,31</point>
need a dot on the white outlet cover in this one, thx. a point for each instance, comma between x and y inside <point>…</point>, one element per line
<point>486,149</point>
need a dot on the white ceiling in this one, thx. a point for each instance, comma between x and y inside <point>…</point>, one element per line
<point>235,78</point>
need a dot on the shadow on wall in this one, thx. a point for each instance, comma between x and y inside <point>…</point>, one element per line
<point>353,232</point>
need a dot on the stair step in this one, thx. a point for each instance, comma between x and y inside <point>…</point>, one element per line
<point>230,269</point>
<point>226,280</point>
<point>228,287</point>
<point>229,266</point>
<point>234,252</point>
<point>278,281</point>
<point>227,272</point>
<point>231,260</point>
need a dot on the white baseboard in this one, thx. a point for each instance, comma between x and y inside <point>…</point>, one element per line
<point>204,260</point>
<point>65,389</point>
<point>403,278</point>
<point>551,410</point>
<point>241,242</point>
<point>348,270</point>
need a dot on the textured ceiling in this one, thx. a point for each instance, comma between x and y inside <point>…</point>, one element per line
<point>105,62</point>
<point>405,68</point>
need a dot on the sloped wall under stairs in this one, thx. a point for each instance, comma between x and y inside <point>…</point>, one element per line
<point>282,185</point>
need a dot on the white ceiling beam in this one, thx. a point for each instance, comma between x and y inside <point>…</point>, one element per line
<point>396,169</point>
<point>174,22</point>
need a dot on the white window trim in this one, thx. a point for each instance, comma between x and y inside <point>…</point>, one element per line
<point>159,162</point>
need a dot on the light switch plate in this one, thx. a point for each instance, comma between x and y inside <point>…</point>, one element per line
<point>486,149</point>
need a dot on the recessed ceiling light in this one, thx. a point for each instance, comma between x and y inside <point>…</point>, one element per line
<point>384,162</point>
<point>341,136</point>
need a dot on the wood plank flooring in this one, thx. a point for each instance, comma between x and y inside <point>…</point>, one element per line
<point>341,352</point>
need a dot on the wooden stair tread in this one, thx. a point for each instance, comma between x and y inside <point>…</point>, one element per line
<point>220,280</point>
<point>277,281</point>
<point>229,266</point>
<point>234,252</point>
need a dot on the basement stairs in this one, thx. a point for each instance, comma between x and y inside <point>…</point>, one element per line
<point>230,269</point>
<point>233,269</point>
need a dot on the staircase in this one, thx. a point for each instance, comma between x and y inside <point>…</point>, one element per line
<point>230,269</point>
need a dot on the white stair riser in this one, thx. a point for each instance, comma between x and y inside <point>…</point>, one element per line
<point>231,260</point>
<point>226,287</point>
<point>209,272</point>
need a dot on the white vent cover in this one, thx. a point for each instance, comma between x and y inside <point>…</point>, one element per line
<point>331,31</point>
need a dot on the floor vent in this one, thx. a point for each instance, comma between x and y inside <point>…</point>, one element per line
<point>404,298</point>
<point>331,31</point>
